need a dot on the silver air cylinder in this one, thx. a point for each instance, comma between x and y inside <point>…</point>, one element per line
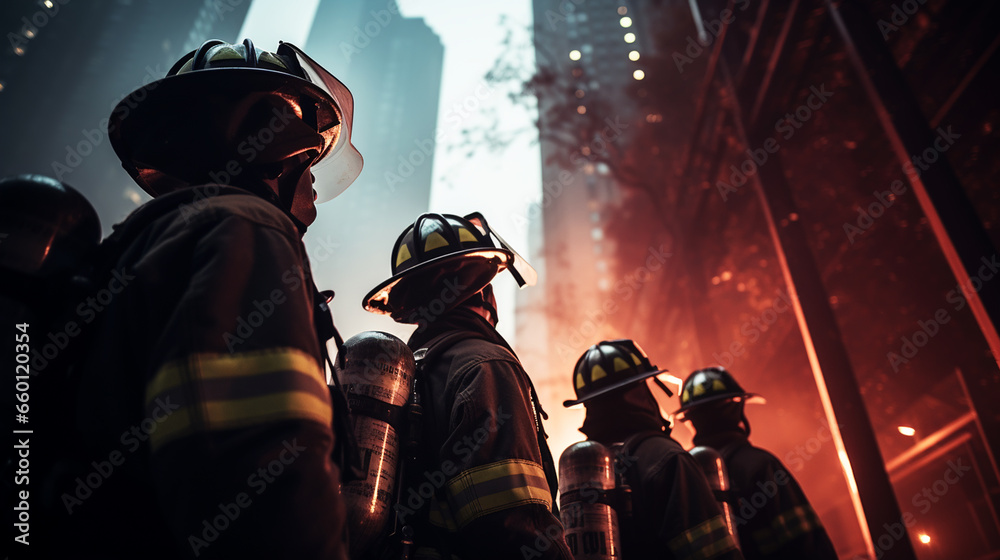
<point>712,465</point>
<point>377,377</point>
<point>586,481</point>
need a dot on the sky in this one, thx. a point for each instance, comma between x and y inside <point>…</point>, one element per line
<point>500,185</point>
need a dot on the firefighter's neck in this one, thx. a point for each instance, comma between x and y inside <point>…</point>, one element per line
<point>615,417</point>
<point>718,438</point>
<point>484,313</point>
<point>483,303</point>
<point>476,305</point>
<point>715,420</point>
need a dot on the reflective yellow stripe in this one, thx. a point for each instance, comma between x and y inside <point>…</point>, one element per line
<point>725,544</point>
<point>703,541</point>
<point>497,486</point>
<point>785,527</point>
<point>218,366</point>
<point>205,392</point>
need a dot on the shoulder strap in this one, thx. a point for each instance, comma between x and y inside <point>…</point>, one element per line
<point>440,344</point>
<point>419,404</point>
<point>423,356</point>
<point>623,457</point>
<point>622,500</point>
<point>729,450</point>
<point>413,450</point>
<point>633,442</point>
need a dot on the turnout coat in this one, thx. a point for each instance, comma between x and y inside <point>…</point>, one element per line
<point>485,485</point>
<point>203,411</point>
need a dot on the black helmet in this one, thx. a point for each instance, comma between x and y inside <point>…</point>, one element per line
<point>216,85</point>
<point>443,259</point>
<point>610,365</point>
<point>711,384</point>
<point>50,227</point>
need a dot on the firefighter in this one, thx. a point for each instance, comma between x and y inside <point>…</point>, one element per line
<point>674,513</point>
<point>204,410</point>
<point>483,486</point>
<point>773,518</point>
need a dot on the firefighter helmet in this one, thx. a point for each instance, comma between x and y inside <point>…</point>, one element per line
<point>439,261</point>
<point>711,384</point>
<point>217,85</point>
<point>51,227</point>
<point>610,365</point>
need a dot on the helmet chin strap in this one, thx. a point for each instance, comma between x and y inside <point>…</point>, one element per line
<point>746,422</point>
<point>263,188</point>
<point>291,190</point>
<point>663,413</point>
<point>717,417</point>
<point>616,415</point>
<point>484,301</point>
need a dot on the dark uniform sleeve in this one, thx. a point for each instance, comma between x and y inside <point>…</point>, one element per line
<point>241,416</point>
<point>785,526</point>
<point>692,526</point>
<point>498,502</point>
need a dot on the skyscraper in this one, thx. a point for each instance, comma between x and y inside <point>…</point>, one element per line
<point>587,52</point>
<point>393,66</point>
<point>67,66</point>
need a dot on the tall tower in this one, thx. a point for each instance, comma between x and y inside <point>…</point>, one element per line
<point>393,66</point>
<point>589,51</point>
<point>69,63</point>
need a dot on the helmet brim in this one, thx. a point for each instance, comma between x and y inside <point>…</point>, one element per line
<point>617,385</point>
<point>402,295</point>
<point>751,398</point>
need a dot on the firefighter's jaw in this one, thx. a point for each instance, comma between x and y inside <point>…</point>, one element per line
<point>303,202</point>
<point>291,180</point>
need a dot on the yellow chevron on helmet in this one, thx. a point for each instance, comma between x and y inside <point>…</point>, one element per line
<point>610,365</point>
<point>711,384</point>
